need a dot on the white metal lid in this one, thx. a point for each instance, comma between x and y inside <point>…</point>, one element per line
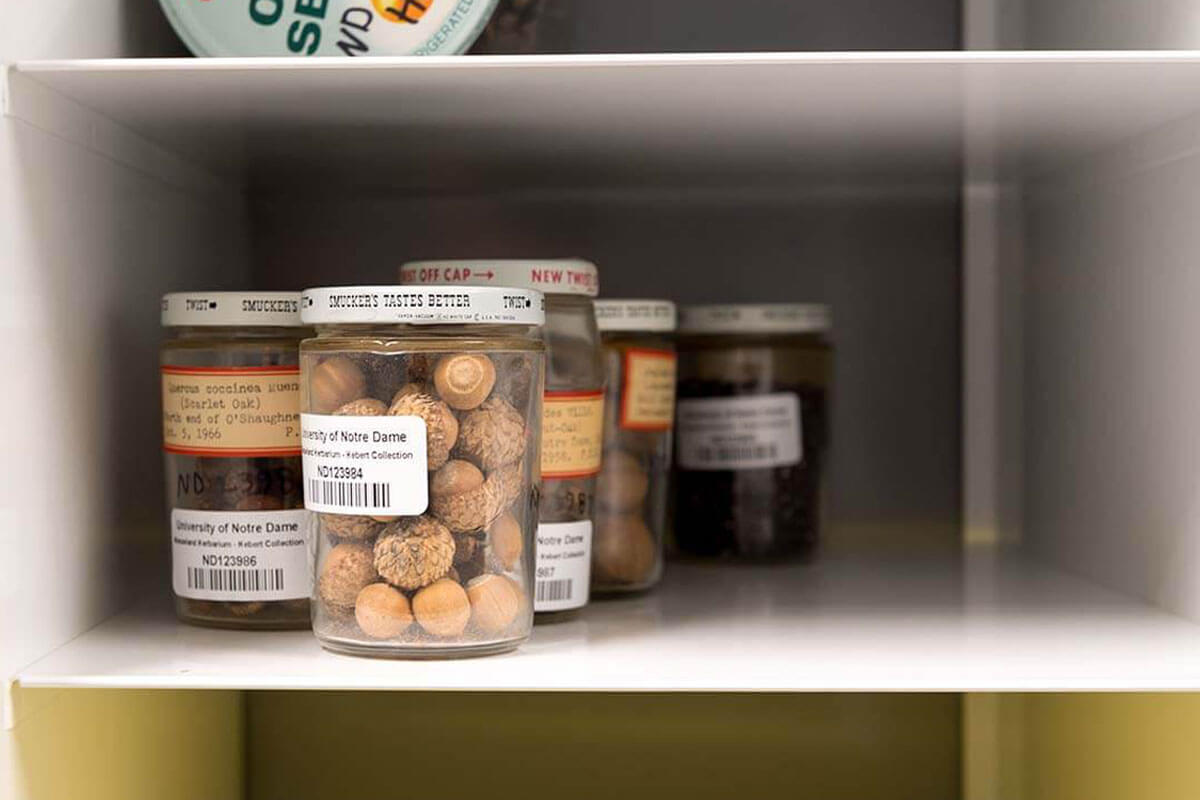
<point>231,309</point>
<point>551,276</point>
<point>635,315</point>
<point>423,305</point>
<point>759,318</point>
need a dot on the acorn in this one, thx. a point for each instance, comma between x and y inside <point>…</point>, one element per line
<point>362,407</point>
<point>509,485</point>
<point>492,435</point>
<point>414,552</point>
<point>495,602</point>
<point>462,498</point>
<point>464,380</point>
<point>350,526</point>
<point>622,484</point>
<point>406,389</point>
<point>382,612</point>
<point>333,383</point>
<point>624,550</point>
<point>442,608</point>
<point>347,569</point>
<point>505,540</point>
<point>441,426</point>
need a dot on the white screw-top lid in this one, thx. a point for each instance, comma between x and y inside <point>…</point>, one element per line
<point>635,315</point>
<point>232,309</point>
<point>759,318</point>
<point>551,276</point>
<point>423,305</point>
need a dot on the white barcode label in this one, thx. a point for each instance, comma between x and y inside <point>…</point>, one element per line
<point>364,465</point>
<point>236,580</point>
<point>554,591</point>
<point>739,432</point>
<point>240,555</point>
<point>564,561</point>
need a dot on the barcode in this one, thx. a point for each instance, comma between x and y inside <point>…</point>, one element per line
<point>235,580</point>
<point>757,452</point>
<point>554,591</point>
<point>349,494</point>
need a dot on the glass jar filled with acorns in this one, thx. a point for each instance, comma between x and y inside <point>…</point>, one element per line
<point>421,429</point>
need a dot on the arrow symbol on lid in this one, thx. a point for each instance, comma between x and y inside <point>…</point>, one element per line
<point>490,274</point>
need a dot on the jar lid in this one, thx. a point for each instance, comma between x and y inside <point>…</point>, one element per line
<point>328,28</point>
<point>635,315</point>
<point>423,305</point>
<point>280,309</point>
<point>761,318</point>
<point>552,276</point>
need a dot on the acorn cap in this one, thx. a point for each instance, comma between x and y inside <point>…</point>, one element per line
<point>362,407</point>
<point>414,552</point>
<point>441,426</point>
<point>462,499</point>
<point>347,569</point>
<point>350,526</point>
<point>493,434</point>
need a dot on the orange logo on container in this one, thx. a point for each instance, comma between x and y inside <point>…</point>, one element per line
<point>408,12</point>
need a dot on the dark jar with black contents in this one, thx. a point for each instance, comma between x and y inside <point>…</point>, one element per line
<point>751,430</point>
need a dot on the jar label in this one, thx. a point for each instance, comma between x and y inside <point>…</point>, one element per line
<point>756,432</point>
<point>365,465</point>
<point>240,555</point>
<point>564,565</point>
<point>236,412</point>
<point>572,434</point>
<point>648,391</point>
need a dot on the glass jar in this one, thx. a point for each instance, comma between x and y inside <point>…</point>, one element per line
<point>632,492</point>
<point>421,442</point>
<point>573,415</point>
<point>231,437</point>
<point>751,429</point>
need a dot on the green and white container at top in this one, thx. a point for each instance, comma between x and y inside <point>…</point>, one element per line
<point>227,28</point>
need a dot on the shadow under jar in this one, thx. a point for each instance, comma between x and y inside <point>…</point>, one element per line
<point>231,436</point>
<point>421,435</point>
<point>751,430</point>
<point>632,493</point>
<point>572,417</point>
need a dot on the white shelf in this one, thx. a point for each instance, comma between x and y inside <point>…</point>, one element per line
<point>848,627</point>
<point>453,123</point>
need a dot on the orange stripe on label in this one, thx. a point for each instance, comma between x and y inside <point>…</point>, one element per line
<point>232,453</point>
<point>237,412</point>
<point>648,390</point>
<point>280,370</point>
<point>572,434</point>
